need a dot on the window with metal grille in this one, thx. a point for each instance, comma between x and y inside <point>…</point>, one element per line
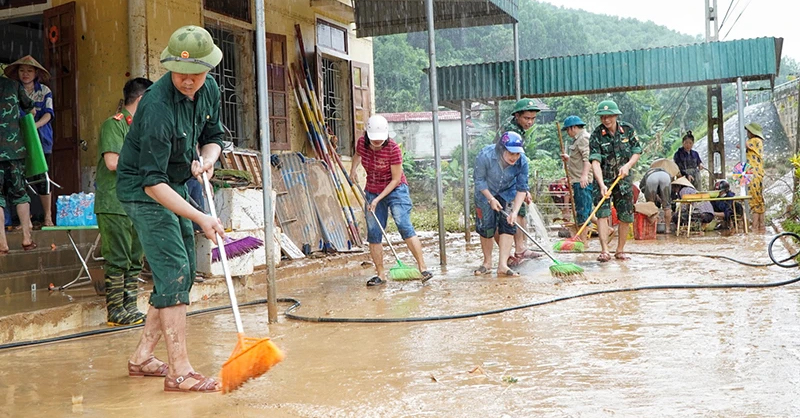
<point>227,75</point>
<point>237,9</point>
<point>331,36</point>
<point>336,102</point>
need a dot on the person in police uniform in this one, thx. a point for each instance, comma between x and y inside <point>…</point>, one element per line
<point>613,151</point>
<point>121,248</point>
<point>521,121</point>
<point>179,112</point>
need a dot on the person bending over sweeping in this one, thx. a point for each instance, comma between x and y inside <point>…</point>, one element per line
<point>501,183</point>
<point>178,112</point>
<point>386,189</point>
<point>614,150</point>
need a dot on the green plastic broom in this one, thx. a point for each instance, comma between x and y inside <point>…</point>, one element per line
<point>400,271</point>
<point>558,269</point>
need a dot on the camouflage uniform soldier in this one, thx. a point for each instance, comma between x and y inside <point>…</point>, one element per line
<point>12,160</point>
<point>521,121</point>
<point>614,150</point>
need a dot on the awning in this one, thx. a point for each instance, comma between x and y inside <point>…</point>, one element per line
<point>644,69</point>
<point>387,17</point>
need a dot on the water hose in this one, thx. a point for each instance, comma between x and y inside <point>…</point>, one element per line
<point>289,313</point>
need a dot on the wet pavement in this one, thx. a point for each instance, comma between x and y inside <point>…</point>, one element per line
<point>727,352</point>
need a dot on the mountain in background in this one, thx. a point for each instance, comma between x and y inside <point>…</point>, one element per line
<point>545,30</point>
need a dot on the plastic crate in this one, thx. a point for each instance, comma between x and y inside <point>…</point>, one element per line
<point>643,228</point>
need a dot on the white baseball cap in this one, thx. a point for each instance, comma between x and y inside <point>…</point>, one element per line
<point>377,128</point>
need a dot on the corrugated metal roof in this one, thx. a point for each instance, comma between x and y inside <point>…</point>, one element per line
<point>387,17</point>
<point>696,64</point>
<point>421,116</point>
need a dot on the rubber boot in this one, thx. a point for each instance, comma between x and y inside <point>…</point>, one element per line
<point>117,315</point>
<point>131,291</point>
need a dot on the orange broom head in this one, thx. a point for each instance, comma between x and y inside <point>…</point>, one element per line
<point>251,358</point>
<point>570,244</point>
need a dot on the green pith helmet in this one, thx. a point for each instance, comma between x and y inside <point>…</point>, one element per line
<point>607,107</point>
<point>525,105</point>
<point>191,50</point>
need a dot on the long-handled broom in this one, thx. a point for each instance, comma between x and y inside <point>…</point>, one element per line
<point>574,243</point>
<point>558,269</point>
<point>251,357</point>
<point>400,271</point>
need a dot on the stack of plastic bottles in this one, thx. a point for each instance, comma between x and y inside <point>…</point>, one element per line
<point>76,209</point>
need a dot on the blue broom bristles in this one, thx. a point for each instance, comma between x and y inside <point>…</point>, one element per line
<point>237,247</point>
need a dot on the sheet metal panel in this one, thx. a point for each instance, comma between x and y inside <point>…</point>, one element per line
<point>387,17</point>
<point>329,212</point>
<point>675,66</point>
<point>296,217</point>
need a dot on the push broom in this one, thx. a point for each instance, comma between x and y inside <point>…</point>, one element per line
<point>251,357</point>
<point>400,271</point>
<point>575,244</point>
<point>558,269</point>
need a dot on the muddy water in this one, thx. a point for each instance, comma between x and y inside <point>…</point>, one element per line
<point>716,353</point>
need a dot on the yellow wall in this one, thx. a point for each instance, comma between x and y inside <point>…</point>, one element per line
<point>103,54</point>
<point>281,16</point>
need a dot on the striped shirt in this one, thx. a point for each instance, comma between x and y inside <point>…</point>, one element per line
<point>43,101</point>
<point>378,164</point>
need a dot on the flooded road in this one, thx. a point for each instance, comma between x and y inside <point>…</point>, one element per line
<point>718,353</point>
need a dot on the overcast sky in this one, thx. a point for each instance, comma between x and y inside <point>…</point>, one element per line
<point>761,18</point>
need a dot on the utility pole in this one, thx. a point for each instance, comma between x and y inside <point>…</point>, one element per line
<point>716,148</point>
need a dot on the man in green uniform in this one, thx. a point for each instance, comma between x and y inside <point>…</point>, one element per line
<point>121,248</point>
<point>12,160</point>
<point>521,121</point>
<point>178,113</point>
<point>614,150</point>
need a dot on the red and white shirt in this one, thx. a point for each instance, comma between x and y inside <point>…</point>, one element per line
<point>378,164</point>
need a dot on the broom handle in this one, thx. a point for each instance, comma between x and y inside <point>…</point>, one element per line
<point>531,238</point>
<point>566,173</point>
<point>391,247</point>
<point>603,199</point>
<point>221,246</point>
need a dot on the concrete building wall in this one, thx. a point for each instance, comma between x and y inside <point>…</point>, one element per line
<point>417,137</point>
<point>786,103</point>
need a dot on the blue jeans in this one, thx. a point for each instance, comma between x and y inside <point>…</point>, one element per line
<point>399,202</point>
<point>583,201</point>
<point>489,221</point>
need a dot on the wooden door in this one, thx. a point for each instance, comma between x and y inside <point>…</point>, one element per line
<point>277,88</point>
<point>61,59</point>
<point>362,103</point>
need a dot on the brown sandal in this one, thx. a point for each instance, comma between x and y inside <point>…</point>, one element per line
<point>622,256</point>
<point>138,370</point>
<point>604,257</point>
<point>31,246</point>
<point>203,385</point>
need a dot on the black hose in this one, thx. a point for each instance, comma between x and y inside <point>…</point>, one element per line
<point>792,257</point>
<point>715,256</point>
<point>296,303</point>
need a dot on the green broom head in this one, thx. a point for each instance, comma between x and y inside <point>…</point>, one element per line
<point>402,272</point>
<point>564,270</point>
<point>569,245</point>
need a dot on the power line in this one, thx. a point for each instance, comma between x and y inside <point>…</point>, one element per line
<point>731,6</point>
<point>737,19</point>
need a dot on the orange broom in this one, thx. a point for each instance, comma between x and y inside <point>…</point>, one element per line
<point>251,357</point>
<point>574,244</point>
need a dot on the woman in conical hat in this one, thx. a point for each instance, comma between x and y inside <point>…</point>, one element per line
<point>31,74</point>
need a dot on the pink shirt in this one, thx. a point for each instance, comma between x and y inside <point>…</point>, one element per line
<point>378,164</point>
